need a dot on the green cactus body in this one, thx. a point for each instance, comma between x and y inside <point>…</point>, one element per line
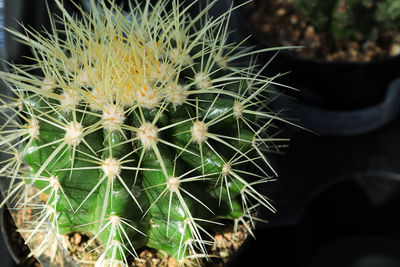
<point>352,19</point>
<point>142,132</point>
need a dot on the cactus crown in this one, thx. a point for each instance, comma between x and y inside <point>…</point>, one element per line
<point>352,19</point>
<point>140,131</point>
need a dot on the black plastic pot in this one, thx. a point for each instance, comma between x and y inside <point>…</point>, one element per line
<point>329,122</point>
<point>7,258</point>
<point>335,85</point>
<point>18,252</point>
<point>332,85</point>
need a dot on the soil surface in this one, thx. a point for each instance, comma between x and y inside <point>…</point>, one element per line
<point>281,24</point>
<point>225,245</point>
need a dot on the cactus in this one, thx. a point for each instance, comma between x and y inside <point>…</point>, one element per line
<point>142,130</point>
<point>352,19</point>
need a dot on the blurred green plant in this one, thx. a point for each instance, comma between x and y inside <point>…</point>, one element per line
<point>352,19</point>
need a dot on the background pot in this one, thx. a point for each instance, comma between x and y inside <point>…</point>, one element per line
<point>337,188</point>
<point>334,98</point>
<point>333,85</point>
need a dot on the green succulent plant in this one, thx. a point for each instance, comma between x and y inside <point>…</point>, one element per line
<point>352,19</point>
<point>143,130</point>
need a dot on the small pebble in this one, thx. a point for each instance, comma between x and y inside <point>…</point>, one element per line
<point>172,262</point>
<point>77,238</point>
<point>293,19</point>
<point>353,52</point>
<point>281,12</point>
<point>309,33</point>
<point>394,50</point>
